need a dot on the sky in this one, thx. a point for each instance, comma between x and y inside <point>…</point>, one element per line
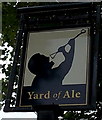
<point>17,114</point>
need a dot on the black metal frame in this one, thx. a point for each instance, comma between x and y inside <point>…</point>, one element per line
<point>41,18</point>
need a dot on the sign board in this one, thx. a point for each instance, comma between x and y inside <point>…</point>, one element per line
<point>58,49</point>
<point>60,78</point>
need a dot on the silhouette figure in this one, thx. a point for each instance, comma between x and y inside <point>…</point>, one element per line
<point>46,77</point>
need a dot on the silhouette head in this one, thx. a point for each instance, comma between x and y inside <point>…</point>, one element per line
<point>39,64</point>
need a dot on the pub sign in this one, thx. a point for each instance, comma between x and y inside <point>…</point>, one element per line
<point>58,45</point>
<point>56,68</point>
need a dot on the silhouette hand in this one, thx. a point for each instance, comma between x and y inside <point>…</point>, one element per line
<point>61,49</point>
<point>71,41</point>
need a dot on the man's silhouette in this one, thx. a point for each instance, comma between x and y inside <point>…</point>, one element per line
<point>47,78</point>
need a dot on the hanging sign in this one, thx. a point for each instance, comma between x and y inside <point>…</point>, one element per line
<point>56,58</point>
<point>57,68</point>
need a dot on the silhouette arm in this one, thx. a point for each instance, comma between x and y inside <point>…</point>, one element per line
<point>65,66</point>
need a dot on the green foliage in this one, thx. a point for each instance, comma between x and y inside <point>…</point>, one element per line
<point>0,17</point>
<point>9,23</point>
<point>77,115</point>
